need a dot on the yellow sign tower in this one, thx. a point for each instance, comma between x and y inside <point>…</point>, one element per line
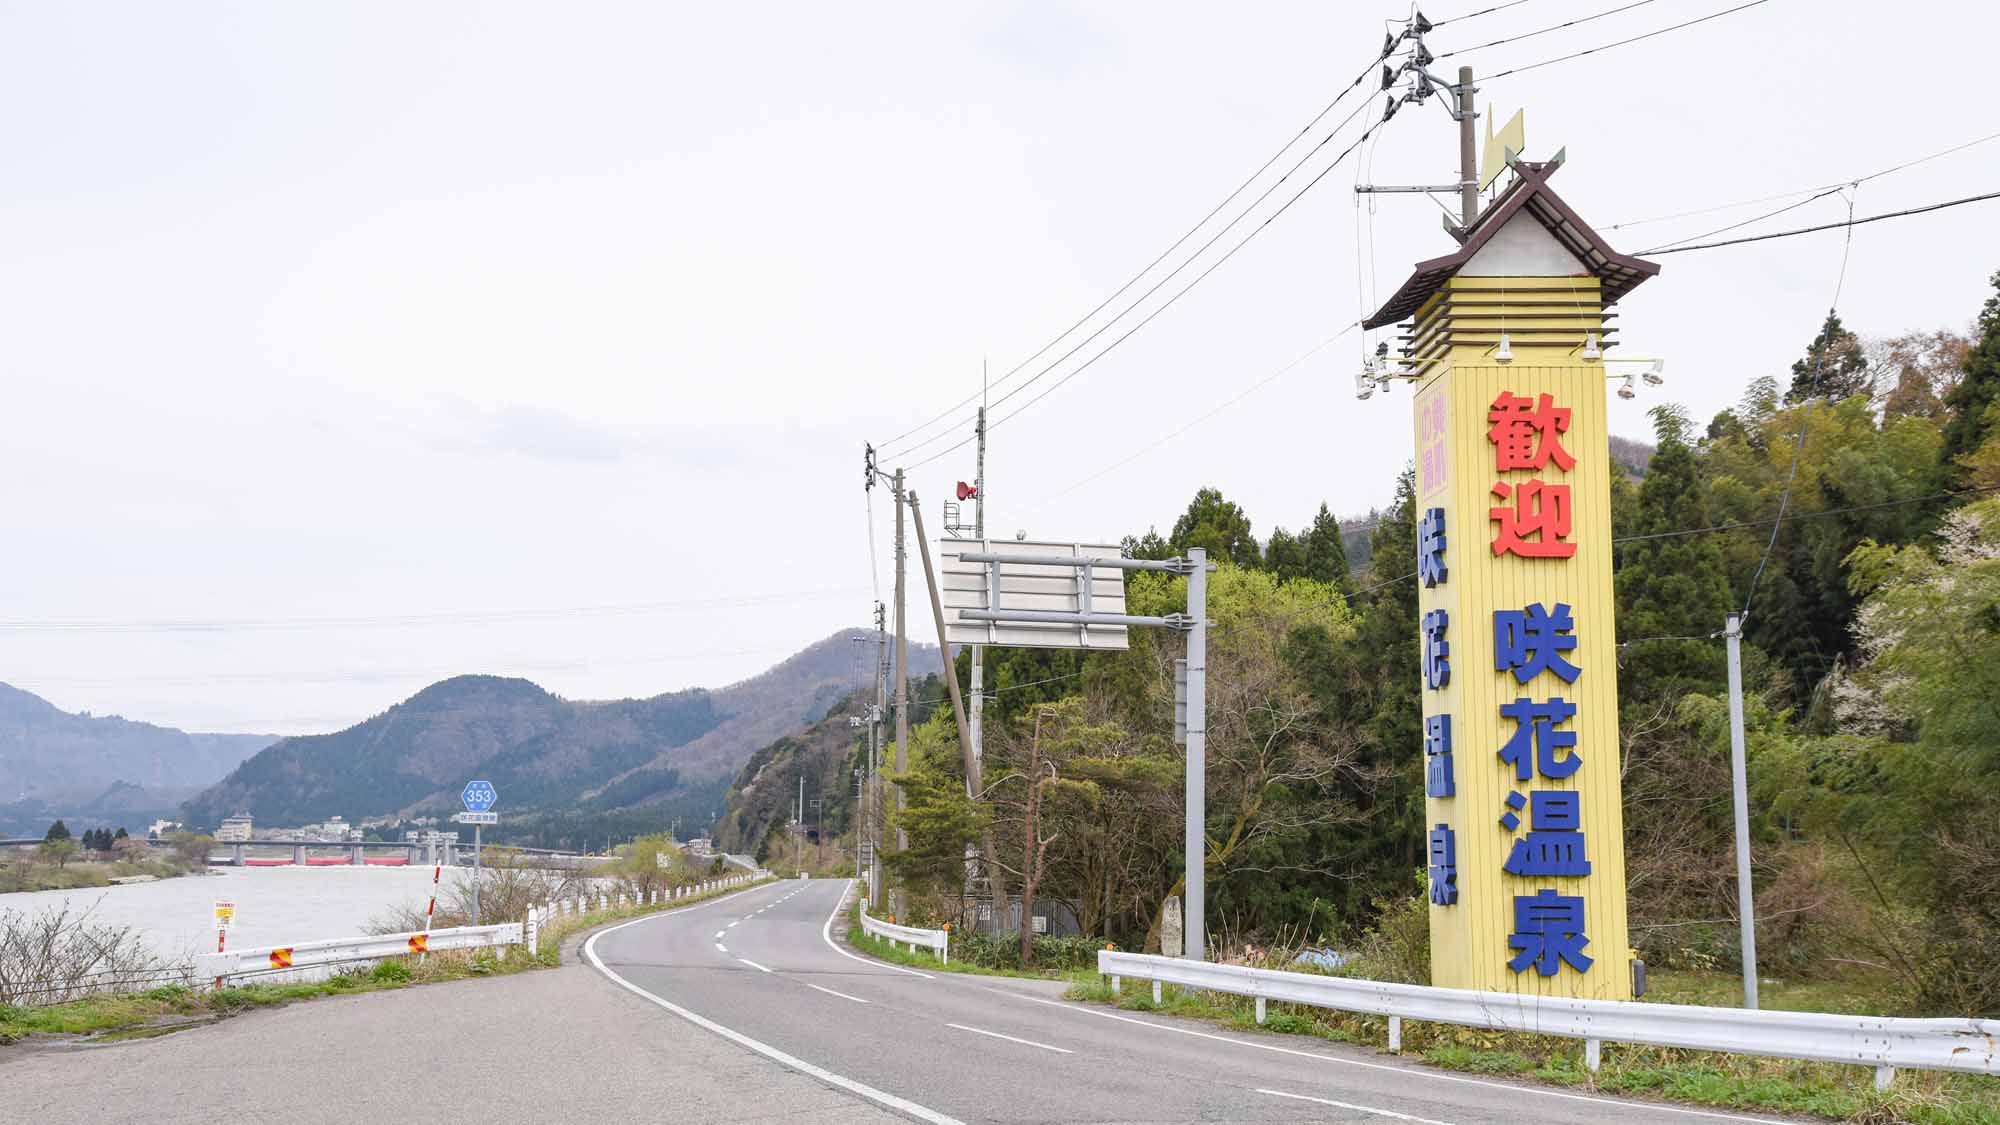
<point>1525,832</point>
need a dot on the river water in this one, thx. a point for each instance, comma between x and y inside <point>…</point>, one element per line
<point>274,905</point>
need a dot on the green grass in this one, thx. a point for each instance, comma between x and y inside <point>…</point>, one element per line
<point>1706,1078</point>
<point>881,950</point>
<point>134,1011</point>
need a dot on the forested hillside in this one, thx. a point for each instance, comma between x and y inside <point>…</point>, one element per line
<point>568,772</point>
<point>1850,502</point>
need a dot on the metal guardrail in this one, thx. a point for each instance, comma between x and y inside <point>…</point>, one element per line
<point>337,951</point>
<point>1882,1042</point>
<point>937,941</point>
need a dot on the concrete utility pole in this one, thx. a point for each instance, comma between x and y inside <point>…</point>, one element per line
<point>973,785</point>
<point>1746,907</point>
<point>875,759</point>
<point>979,533</point>
<point>1195,871</point>
<point>1468,150</point>
<point>902,660</point>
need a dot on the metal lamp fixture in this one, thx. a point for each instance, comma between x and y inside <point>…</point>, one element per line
<point>1592,352</point>
<point>1626,389</point>
<point>1505,352</point>
<point>1654,375</point>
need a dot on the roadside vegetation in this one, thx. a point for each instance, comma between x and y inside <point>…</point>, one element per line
<point>64,862</point>
<point>1744,1082</point>
<point>62,974</point>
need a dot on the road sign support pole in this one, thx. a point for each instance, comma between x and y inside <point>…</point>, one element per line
<point>1195,942</point>
<point>1746,907</point>
<point>475,873</point>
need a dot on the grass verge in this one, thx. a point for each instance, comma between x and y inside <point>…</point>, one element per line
<point>174,1006</point>
<point>1701,1077</point>
<point>881,950</point>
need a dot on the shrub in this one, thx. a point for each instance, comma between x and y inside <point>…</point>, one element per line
<point>391,972</point>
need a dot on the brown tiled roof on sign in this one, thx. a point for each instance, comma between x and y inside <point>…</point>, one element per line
<point>1617,273</point>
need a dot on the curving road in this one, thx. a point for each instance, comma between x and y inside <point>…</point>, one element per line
<point>763,970</point>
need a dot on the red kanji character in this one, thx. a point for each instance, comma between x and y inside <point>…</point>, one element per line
<point>1538,509</point>
<point>1525,433</point>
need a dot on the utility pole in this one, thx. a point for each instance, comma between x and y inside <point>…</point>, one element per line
<point>979,533</point>
<point>874,875</point>
<point>1195,872</point>
<point>1468,150</point>
<point>973,785</point>
<point>902,662</point>
<point>1746,909</point>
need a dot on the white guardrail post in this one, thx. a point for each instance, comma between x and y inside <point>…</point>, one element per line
<point>1883,1043</point>
<point>937,941</point>
<point>308,954</point>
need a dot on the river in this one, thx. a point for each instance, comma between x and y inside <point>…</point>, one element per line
<point>274,905</point>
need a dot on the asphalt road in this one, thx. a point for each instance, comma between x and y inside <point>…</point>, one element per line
<point>748,1009</point>
<point>766,972</point>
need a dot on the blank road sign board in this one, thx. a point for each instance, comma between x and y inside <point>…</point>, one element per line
<point>966,585</point>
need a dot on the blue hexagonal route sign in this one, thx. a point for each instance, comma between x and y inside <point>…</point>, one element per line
<point>479,796</point>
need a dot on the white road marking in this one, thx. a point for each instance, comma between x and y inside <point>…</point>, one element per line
<point>719,933</point>
<point>1408,1072</point>
<point>719,948</point>
<point>1357,1108</point>
<point>753,964</point>
<point>826,935</point>
<point>831,992</point>
<point>732,925</point>
<point>1012,1039</point>
<point>901,1105</point>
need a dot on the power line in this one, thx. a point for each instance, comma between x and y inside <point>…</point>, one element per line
<point>1849,224</point>
<point>1134,280</point>
<point>1480,12</point>
<point>1623,42</point>
<point>1212,412</point>
<point>1943,153</point>
<point>1296,196</point>
<point>1746,222</point>
<point>1546,30</point>
<point>1743,524</point>
<point>1141,299</point>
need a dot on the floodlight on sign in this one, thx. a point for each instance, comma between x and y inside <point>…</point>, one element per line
<point>1030,577</point>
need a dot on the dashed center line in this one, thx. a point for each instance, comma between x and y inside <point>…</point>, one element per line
<point>1389,1113</point>
<point>831,992</point>
<point>753,964</point>
<point>1012,1039</point>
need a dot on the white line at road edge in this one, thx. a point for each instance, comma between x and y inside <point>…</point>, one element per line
<point>1408,1072</point>
<point>1011,1039</point>
<point>1350,1105</point>
<point>753,964</point>
<point>831,992</point>
<point>826,934</point>
<point>803,1067</point>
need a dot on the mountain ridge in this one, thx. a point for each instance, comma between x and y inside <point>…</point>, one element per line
<point>544,754</point>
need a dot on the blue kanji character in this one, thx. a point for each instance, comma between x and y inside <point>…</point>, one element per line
<point>1557,810</point>
<point>1437,651</point>
<point>1515,803</point>
<point>1548,853</point>
<point>1548,929</point>
<point>1444,865</point>
<point>1430,548</point>
<point>1536,723</point>
<point>1438,779</point>
<point>1532,640</point>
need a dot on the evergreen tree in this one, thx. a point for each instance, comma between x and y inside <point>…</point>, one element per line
<point>1968,417</point>
<point>1833,367</point>
<point>57,831</point>
<point>1673,586</point>
<point>1218,526</point>
<point>1325,552</point>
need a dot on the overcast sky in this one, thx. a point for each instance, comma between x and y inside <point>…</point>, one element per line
<point>387,335</point>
